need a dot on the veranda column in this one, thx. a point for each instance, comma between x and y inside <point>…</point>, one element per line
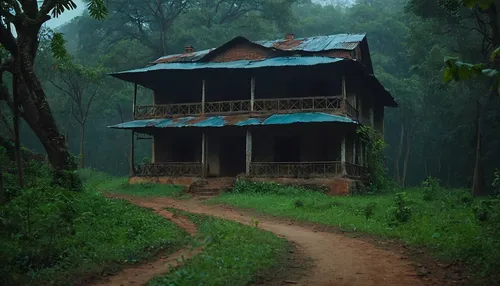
<point>252,93</point>
<point>203,154</point>
<point>203,97</point>
<point>354,151</point>
<point>342,155</point>
<point>248,153</point>
<point>344,94</point>
<point>134,101</point>
<point>132,154</point>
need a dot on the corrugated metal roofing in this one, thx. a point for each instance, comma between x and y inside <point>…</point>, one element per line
<point>234,120</point>
<point>242,64</point>
<point>310,44</point>
<point>317,44</point>
<point>186,57</point>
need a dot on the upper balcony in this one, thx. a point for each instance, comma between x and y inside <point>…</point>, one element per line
<point>332,104</point>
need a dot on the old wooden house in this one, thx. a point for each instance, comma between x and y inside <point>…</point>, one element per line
<point>284,110</point>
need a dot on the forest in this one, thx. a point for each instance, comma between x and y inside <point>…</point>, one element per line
<point>439,60</point>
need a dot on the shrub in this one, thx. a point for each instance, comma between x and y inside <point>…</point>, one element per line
<point>369,210</point>
<point>401,212</point>
<point>430,186</point>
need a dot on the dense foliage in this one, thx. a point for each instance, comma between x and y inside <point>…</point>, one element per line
<point>451,223</point>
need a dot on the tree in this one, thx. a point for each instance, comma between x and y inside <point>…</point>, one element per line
<point>80,84</point>
<point>28,99</point>
<point>486,15</point>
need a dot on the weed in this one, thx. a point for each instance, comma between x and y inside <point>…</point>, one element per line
<point>401,212</point>
<point>369,210</point>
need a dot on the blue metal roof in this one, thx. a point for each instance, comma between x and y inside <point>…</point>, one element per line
<point>234,120</point>
<point>242,64</point>
<point>317,44</point>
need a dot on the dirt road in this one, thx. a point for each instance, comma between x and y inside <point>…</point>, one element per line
<point>337,259</point>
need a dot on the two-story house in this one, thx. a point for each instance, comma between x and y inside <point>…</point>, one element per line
<point>285,110</point>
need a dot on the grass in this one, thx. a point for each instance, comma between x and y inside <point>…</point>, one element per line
<point>447,224</point>
<point>234,254</point>
<point>119,185</point>
<point>55,236</point>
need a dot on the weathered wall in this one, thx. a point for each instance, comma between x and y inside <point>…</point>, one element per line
<point>244,51</point>
<point>213,148</point>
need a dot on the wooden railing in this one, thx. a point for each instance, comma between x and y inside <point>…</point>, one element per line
<point>355,171</point>
<point>295,169</point>
<point>306,169</point>
<point>274,105</point>
<point>179,169</point>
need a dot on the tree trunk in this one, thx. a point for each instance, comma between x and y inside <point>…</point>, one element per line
<point>398,156</point>
<point>17,139</point>
<point>478,180</point>
<point>82,146</point>
<point>407,156</point>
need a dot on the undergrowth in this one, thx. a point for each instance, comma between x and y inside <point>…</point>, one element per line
<point>234,254</point>
<point>450,223</point>
<point>50,235</point>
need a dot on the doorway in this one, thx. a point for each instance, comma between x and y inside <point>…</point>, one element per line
<point>232,156</point>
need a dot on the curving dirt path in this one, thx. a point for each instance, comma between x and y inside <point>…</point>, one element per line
<point>337,259</point>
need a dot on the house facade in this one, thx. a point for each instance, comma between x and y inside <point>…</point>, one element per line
<point>278,110</point>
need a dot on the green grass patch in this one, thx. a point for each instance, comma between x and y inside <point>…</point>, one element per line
<point>120,185</point>
<point>448,224</point>
<point>55,236</point>
<point>234,254</point>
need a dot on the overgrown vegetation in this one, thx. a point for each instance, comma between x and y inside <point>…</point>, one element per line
<point>234,254</point>
<point>51,235</point>
<point>374,145</point>
<point>452,225</point>
<point>119,185</point>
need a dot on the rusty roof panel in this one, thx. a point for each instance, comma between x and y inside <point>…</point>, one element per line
<point>316,44</point>
<point>186,57</point>
<point>235,120</point>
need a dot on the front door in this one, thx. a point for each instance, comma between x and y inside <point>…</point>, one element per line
<point>232,156</point>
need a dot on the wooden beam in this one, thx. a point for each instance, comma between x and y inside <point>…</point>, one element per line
<point>252,93</point>
<point>342,155</point>
<point>344,95</point>
<point>248,152</point>
<point>153,159</point>
<point>203,154</point>
<point>134,101</point>
<point>203,97</point>
<point>132,154</point>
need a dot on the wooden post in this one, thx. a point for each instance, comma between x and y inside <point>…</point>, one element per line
<point>135,101</point>
<point>153,159</point>
<point>248,151</point>
<point>132,155</point>
<point>252,93</point>
<point>344,94</point>
<point>203,154</point>
<point>354,151</point>
<point>203,97</point>
<point>342,155</point>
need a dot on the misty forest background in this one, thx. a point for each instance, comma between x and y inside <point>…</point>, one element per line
<point>432,133</point>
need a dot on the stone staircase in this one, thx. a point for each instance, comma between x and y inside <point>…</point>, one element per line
<point>211,187</point>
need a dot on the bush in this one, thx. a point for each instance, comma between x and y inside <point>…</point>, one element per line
<point>299,203</point>
<point>401,212</point>
<point>369,210</point>
<point>430,186</point>
<point>246,186</point>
